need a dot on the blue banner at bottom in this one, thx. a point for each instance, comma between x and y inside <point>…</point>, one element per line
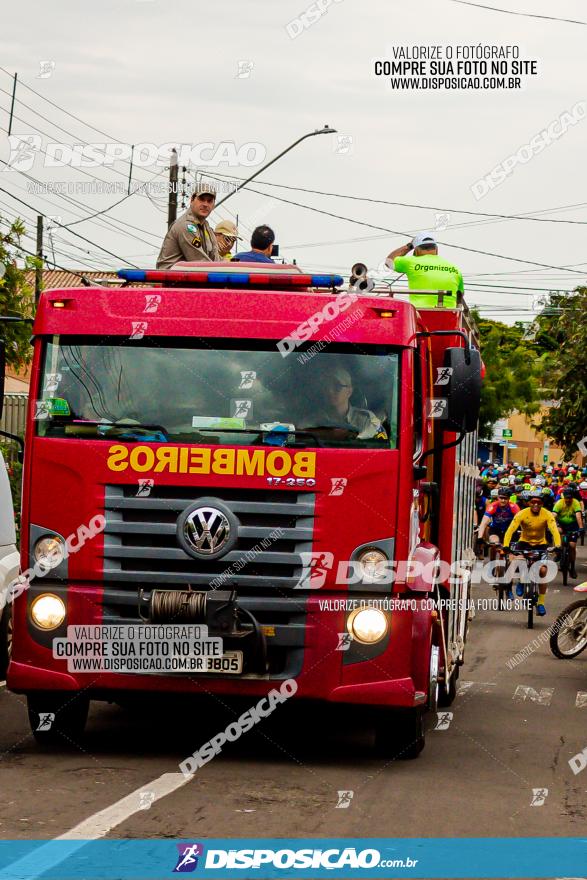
<point>417,857</point>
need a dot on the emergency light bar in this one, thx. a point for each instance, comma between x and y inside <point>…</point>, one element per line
<point>231,279</point>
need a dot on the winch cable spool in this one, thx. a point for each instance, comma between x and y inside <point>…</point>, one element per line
<point>177,606</point>
<point>188,606</point>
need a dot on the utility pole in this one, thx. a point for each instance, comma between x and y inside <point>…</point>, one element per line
<point>183,187</point>
<point>172,204</point>
<point>132,153</point>
<point>12,104</point>
<point>39,269</point>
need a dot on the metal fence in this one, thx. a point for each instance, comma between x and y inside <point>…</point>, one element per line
<point>13,420</point>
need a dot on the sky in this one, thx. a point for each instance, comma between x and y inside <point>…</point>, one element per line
<point>161,71</point>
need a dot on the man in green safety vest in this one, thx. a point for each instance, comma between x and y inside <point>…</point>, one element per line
<point>425,270</point>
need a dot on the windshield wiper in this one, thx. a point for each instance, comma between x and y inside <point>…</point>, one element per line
<point>258,431</point>
<point>123,427</point>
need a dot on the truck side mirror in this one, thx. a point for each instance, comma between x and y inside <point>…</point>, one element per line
<point>2,371</point>
<point>464,389</point>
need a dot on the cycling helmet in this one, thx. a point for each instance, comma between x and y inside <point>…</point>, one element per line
<point>535,496</point>
<point>583,485</point>
<point>568,492</point>
<point>503,493</point>
<point>504,481</point>
<point>494,493</point>
<point>539,481</point>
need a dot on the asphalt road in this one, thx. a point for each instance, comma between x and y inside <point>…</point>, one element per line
<point>476,777</point>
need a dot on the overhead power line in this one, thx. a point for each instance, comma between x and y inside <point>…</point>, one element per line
<point>111,224</point>
<point>63,110</point>
<point>71,231</point>
<point>429,207</point>
<point>523,14</point>
<point>399,232</point>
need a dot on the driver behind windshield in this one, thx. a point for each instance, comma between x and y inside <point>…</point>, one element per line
<point>334,408</point>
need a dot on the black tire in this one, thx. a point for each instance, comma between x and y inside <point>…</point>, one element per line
<point>399,735</point>
<point>447,698</point>
<point>502,593</point>
<point>5,640</point>
<point>558,629</point>
<point>530,600</point>
<point>58,718</point>
<point>564,567</point>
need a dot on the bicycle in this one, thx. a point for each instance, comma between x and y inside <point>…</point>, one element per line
<point>565,557</point>
<point>531,586</point>
<point>501,588</point>
<point>569,631</point>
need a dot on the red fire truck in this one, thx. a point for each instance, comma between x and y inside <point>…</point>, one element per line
<point>265,452</point>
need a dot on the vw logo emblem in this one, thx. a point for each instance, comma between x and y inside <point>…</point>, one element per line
<point>207,531</point>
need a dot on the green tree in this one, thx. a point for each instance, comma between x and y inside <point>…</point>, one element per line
<point>16,294</point>
<point>513,371</point>
<point>562,333</point>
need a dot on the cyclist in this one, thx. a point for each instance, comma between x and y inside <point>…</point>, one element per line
<point>570,521</point>
<point>498,516</point>
<point>535,523</point>
<point>547,494</point>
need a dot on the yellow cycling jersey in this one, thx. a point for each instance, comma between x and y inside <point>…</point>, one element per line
<point>533,527</point>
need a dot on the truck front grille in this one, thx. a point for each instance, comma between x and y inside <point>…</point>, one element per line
<point>141,547</point>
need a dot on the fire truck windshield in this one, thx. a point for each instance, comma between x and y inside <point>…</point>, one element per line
<point>218,392</point>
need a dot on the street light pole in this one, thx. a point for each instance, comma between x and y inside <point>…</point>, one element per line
<point>325,130</point>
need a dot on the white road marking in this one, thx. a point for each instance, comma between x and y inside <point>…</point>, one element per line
<point>581,702</point>
<point>46,857</point>
<point>482,687</point>
<point>105,820</point>
<point>523,693</point>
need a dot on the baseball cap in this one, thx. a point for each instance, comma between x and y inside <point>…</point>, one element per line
<point>423,238</point>
<point>202,188</point>
<point>227,227</point>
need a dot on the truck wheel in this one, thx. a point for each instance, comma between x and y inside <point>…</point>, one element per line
<point>446,698</point>
<point>5,640</point>
<point>58,718</point>
<point>399,735</point>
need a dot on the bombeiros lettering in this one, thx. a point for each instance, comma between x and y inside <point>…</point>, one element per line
<point>198,460</point>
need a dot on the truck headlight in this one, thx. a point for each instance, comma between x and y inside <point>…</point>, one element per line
<point>373,565</point>
<point>47,611</point>
<point>49,551</point>
<point>367,625</point>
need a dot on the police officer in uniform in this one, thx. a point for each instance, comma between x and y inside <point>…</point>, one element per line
<point>191,237</point>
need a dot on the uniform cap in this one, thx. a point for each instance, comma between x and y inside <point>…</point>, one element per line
<point>203,187</point>
<point>227,227</point>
